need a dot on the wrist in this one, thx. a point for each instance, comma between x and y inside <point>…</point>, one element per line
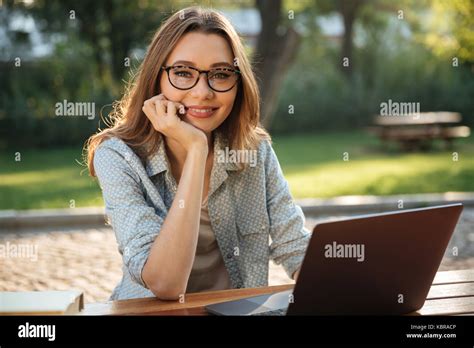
<point>198,149</point>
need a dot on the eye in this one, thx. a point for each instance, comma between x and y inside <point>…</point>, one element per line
<point>183,73</point>
<point>221,74</point>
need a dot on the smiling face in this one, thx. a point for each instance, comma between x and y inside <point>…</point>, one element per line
<point>201,51</point>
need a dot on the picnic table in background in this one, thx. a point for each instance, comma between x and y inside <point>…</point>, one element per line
<point>417,131</point>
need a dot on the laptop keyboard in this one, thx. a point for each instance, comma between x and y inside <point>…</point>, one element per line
<point>280,311</point>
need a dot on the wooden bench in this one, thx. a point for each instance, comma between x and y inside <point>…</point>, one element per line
<point>417,131</point>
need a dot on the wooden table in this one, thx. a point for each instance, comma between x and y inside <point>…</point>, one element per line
<point>418,131</point>
<point>452,293</point>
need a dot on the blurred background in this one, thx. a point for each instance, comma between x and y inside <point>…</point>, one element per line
<point>325,69</point>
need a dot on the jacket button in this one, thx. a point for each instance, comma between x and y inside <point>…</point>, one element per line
<point>229,256</point>
<point>263,227</point>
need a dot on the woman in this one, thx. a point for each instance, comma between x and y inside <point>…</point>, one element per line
<point>189,210</point>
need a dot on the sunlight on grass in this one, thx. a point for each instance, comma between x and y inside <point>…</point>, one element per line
<point>48,179</point>
<point>405,174</point>
<point>314,167</point>
<point>312,164</point>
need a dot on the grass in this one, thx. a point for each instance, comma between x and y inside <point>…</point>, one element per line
<point>312,164</point>
<point>46,179</point>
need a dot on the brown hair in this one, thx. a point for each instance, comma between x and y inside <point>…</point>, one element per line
<point>242,127</point>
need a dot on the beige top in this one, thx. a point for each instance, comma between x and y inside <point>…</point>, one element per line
<point>208,272</point>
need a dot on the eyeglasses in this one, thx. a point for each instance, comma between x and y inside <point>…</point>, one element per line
<point>186,77</point>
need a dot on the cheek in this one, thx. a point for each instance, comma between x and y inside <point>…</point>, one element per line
<point>169,91</point>
<point>228,102</point>
<point>163,82</point>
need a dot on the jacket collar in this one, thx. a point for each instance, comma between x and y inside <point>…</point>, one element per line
<point>158,162</point>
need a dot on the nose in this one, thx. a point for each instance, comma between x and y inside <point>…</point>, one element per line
<point>202,88</point>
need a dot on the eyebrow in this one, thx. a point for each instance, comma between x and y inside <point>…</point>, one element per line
<point>187,62</point>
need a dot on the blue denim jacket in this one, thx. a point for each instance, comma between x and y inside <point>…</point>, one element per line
<point>252,212</point>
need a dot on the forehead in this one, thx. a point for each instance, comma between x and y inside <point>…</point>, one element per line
<point>201,49</point>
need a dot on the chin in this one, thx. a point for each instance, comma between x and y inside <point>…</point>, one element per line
<point>203,125</point>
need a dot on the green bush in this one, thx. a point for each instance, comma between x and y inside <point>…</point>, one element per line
<point>324,99</point>
<point>31,91</point>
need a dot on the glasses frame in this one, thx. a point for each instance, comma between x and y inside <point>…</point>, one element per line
<point>168,68</point>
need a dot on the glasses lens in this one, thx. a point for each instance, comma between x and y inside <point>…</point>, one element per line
<point>183,77</point>
<point>222,79</point>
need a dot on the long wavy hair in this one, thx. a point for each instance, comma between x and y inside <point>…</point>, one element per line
<point>129,123</point>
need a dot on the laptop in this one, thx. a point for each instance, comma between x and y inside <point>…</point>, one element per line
<point>377,264</point>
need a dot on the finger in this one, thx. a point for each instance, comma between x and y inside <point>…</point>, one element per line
<point>160,107</point>
<point>148,108</point>
<point>171,109</point>
<point>149,111</point>
<point>148,104</point>
<point>180,108</point>
<point>154,99</point>
<point>158,97</point>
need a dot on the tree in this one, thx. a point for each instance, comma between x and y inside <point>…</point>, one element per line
<point>276,50</point>
<point>348,11</point>
<point>112,28</point>
<point>449,30</point>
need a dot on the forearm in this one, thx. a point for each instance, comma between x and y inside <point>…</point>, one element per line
<point>171,257</point>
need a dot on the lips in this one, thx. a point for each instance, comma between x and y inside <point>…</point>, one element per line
<point>200,111</point>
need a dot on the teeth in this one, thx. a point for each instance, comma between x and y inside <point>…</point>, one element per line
<point>201,110</point>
